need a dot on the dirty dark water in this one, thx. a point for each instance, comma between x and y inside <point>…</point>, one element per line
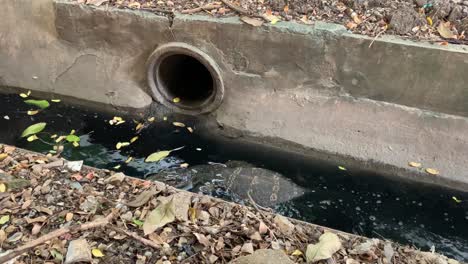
<point>351,200</point>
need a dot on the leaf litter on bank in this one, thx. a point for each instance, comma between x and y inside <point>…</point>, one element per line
<point>163,214</point>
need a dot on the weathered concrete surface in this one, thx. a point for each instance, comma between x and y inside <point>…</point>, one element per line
<point>295,86</point>
<point>32,57</point>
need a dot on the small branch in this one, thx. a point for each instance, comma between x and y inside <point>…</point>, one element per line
<point>261,213</point>
<point>243,11</point>
<point>206,7</point>
<point>54,234</point>
<point>133,235</point>
<point>377,36</point>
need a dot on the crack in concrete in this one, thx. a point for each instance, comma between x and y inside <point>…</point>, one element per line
<point>71,66</point>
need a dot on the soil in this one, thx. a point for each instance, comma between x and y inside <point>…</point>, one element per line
<point>53,210</point>
<point>443,21</point>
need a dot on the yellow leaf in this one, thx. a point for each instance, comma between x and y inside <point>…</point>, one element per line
<point>133,139</point>
<point>32,138</point>
<point>120,122</point>
<point>3,188</point>
<point>193,214</point>
<point>429,21</point>
<point>3,156</point>
<point>53,136</point>
<point>157,156</point>
<point>456,199</point>
<point>76,144</point>
<point>415,164</point>
<point>165,118</point>
<point>297,252</point>
<point>432,171</point>
<point>72,132</point>
<point>33,112</point>
<point>178,124</point>
<point>120,145</point>
<point>176,100</point>
<point>97,253</point>
<point>328,244</point>
<point>190,129</point>
<point>139,126</point>
<point>23,95</point>
<point>341,168</point>
<point>151,119</point>
<point>59,139</point>
<point>56,100</point>
<point>69,217</point>
<point>117,167</point>
<point>4,219</point>
<point>28,93</point>
<point>129,159</point>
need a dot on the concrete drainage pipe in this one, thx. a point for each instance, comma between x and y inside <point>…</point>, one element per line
<point>179,70</point>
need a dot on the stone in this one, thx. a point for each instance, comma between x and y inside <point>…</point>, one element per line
<point>283,224</point>
<point>78,251</point>
<point>262,256</point>
<point>405,19</point>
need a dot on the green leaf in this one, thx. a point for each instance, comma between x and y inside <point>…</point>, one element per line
<point>159,217</point>
<point>73,138</point>
<point>138,222</point>
<point>4,219</point>
<point>33,129</point>
<point>56,255</point>
<point>329,243</point>
<point>43,104</point>
<point>157,156</point>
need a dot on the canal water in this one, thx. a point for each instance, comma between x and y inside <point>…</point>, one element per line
<point>349,200</point>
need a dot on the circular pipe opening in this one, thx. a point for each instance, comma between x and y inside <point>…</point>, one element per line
<point>178,70</point>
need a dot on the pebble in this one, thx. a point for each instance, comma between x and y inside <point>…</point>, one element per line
<point>78,251</point>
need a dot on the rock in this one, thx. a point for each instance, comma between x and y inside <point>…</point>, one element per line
<point>405,19</point>
<point>78,251</point>
<point>90,204</point>
<point>456,14</point>
<point>262,256</point>
<point>283,224</point>
<point>14,184</point>
<point>442,8</point>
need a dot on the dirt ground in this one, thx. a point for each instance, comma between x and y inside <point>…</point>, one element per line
<point>442,21</point>
<point>53,210</point>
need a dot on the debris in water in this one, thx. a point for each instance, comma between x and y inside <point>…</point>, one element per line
<point>432,171</point>
<point>414,164</point>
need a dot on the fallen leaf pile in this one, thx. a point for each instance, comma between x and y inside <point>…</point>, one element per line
<point>79,213</point>
<point>440,21</point>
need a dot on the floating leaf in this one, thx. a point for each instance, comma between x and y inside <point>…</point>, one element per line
<point>190,129</point>
<point>456,199</point>
<point>23,95</point>
<point>120,145</point>
<point>72,138</point>
<point>116,167</point>
<point>129,159</point>
<point>139,126</point>
<point>59,139</point>
<point>151,119</point>
<point>414,164</point>
<point>43,104</point>
<point>133,139</point>
<point>76,144</point>
<point>341,168</point>
<point>445,31</point>
<point>159,217</point>
<point>32,138</point>
<point>4,219</point>
<point>3,188</point>
<point>33,129</point>
<point>97,253</point>
<point>178,124</point>
<point>55,100</point>
<point>184,165</point>
<point>157,156</point>
<point>432,171</point>
<point>328,244</point>
<point>33,112</point>
<point>176,100</point>
<point>165,118</point>
<point>252,21</point>
<point>138,222</point>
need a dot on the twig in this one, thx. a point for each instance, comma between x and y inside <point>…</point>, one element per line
<point>57,233</point>
<point>260,211</point>
<point>378,35</point>
<point>243,11</point>
<point>133,235</point>
<point>206,7</point>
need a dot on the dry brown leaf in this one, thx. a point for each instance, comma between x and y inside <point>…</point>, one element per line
<point>351,25</point>
<point>96,2</point>
<point>143,198</point>
<point>252,21</point>
<point>256,236</point>
<point>247,248</point>
<point>69,217</point>
<point>36,229</point>
<point>263,229</point>
<point>202,239</point>
<point>445,31</point>
<point>178,124</point>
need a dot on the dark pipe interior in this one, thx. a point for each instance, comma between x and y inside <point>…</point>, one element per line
<point>187,78</point>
